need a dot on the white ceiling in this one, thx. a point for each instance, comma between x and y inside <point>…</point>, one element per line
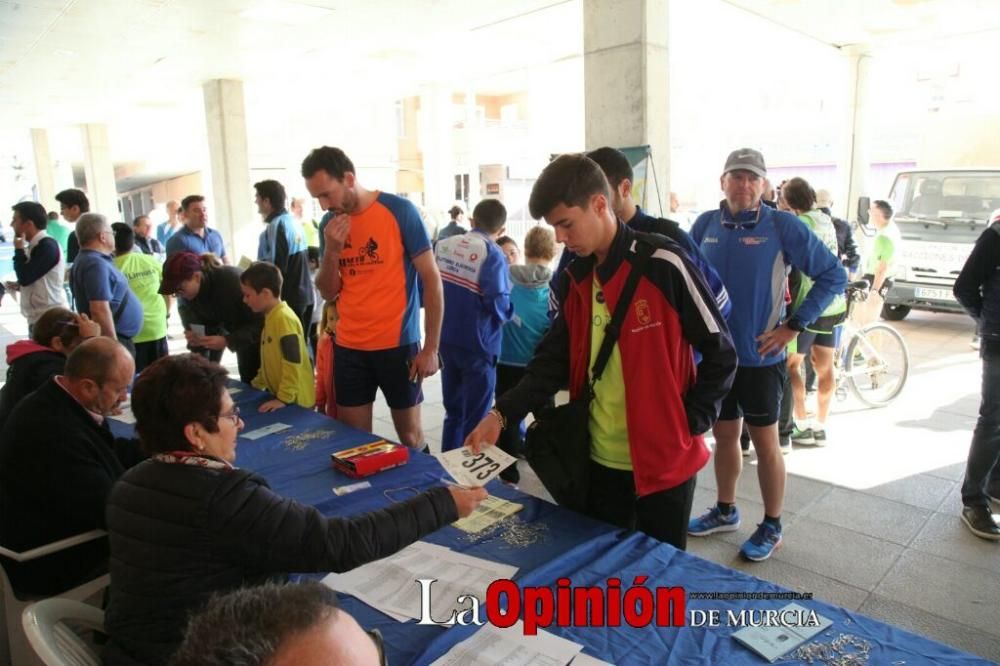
<point>73,61</point>
<point>878,23</point>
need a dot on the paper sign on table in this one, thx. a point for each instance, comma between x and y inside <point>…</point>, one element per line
<point>492,645</point>
<point>265,431</point>
<point>390,584</point>
<point>475,469</point>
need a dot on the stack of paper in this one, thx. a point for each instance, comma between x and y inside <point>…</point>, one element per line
<point>391,584</point>
<point>489,512</point>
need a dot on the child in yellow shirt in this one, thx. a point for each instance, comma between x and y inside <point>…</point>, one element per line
<point>285,371</point>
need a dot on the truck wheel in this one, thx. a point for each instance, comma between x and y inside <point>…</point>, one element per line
<point>895,312</point>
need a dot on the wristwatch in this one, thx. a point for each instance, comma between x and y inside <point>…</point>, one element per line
<point>794,324</point>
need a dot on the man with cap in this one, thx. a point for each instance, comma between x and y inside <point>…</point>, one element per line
<point>753,246</point>
<point>453,228</point>
<point>214,301</point>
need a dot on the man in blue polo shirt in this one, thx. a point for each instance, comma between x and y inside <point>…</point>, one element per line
<point>99,288</point>
<point>195,236</point>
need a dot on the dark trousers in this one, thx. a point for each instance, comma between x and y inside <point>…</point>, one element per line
<point>146,353</point>
<point>305,315</point>
<point>983,467</point>
<point>510,439</point>
<point>127,344</point>
<point>663,515</point>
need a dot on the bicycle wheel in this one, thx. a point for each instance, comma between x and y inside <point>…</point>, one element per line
<point>876,364</point>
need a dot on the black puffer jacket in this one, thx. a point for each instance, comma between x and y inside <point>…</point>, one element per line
<point>180,533</point>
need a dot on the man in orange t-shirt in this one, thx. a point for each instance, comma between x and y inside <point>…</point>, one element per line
<point>374,249</point>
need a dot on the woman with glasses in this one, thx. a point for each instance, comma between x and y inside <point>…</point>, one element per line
<point>188,523</point>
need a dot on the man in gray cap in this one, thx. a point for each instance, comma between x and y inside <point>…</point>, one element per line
<point>752,247</point>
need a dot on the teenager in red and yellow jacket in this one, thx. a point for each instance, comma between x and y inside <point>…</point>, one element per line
<point>650,406</point>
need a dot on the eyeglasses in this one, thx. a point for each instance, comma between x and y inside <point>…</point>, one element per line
<point>233,415</point>
<point>376,637</point>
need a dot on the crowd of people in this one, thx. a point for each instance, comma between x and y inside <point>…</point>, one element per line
<point>718,326</point>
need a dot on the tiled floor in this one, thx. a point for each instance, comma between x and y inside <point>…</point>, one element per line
<point>871,520</point>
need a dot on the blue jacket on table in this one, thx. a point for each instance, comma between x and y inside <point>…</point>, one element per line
<point>476,292</point>
<point>658,225</point>
<point>752,254</point>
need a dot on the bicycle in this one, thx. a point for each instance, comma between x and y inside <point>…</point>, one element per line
<point>872,360</point>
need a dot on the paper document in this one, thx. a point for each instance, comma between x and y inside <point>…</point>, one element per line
<point>773,642</point>
<point>234,390</point>
<point>391,584</point>
<point>265,431</point>
<point>197,330</point>
<point>489,512</point>
<point>244,262</point>
<point>586,660</point>
<point>510,647</point>
<point>126,415</point>
<point>475,469</point>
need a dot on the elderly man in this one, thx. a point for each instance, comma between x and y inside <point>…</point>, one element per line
<point>147,243</point>
<point>100,290</point>
<point>752,246</point>
<point>58,461</point>
<point>38,262</point>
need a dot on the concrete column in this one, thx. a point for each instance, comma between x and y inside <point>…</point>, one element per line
<point>437,148</point>
<point>857,142</point>
<point>99,171</point>
<point>626,82</point>
<point>232,212</point>
<point>473,157</point>
<point>45,172</point>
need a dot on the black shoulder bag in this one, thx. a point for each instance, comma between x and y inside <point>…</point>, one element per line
<point>557,444</point>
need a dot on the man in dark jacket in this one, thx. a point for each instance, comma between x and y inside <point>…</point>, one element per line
<point>978,290</point>
<point>58,461</point>
<point>646,434</point>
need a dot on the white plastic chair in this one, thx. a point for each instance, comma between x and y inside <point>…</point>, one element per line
<point>14,647</point>
<point>46,625</point>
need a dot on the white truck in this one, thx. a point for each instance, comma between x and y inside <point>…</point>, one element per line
<point>940,214</point>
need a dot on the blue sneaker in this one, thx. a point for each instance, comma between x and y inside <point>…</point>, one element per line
<point>714,521</point>
<point>762,543</point>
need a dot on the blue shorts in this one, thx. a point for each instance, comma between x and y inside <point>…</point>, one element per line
<point>357,375</point>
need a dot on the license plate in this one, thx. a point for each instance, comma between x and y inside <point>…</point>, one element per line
<point>936,294</point>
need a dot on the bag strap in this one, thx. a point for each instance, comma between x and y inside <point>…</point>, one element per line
<point>643,252</point>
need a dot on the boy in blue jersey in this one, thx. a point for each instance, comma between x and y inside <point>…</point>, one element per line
<point>752,246</point>
<point>477,304</point>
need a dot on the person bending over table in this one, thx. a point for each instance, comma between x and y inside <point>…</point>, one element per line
<point>187,523</point>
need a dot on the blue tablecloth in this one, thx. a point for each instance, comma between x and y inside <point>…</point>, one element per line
<point>571,545</point>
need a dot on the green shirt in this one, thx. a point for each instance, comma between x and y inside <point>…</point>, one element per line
<point>608,426</point>
<point>59,231</point>
<point>885,247</point>
<point>144,272</point>
<point>822,226</point>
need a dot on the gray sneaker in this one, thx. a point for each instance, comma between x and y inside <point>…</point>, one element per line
<point>803,437</point>
<point>819,437</point>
